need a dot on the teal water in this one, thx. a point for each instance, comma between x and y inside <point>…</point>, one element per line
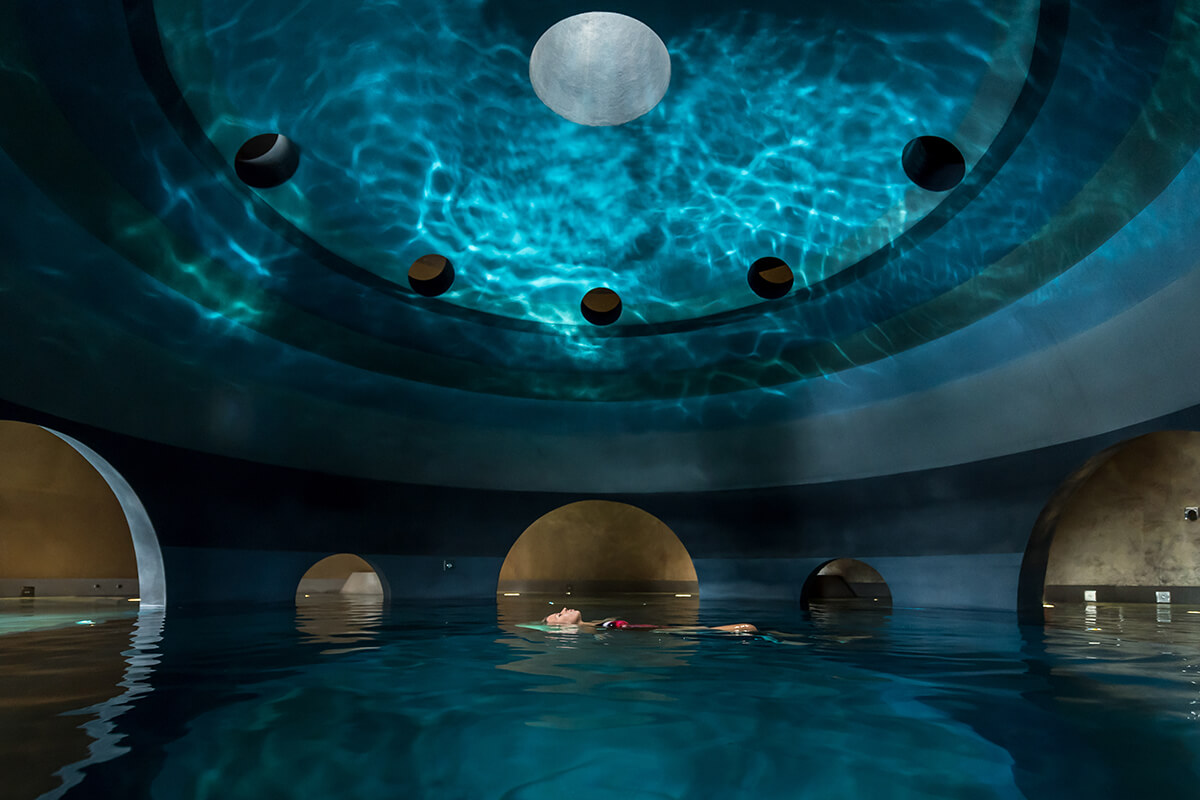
<point>358,700</point>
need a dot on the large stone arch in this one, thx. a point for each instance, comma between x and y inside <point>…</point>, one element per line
<point>1116,528</point>
<point>69,513</point>
<point>598,547</point>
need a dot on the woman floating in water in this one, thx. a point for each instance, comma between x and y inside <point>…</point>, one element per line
<point>572,618</point>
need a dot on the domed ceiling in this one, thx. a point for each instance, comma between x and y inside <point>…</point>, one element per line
<point>148,289</point>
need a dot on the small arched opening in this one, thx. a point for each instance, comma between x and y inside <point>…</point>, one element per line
<point>340,600</point>
<point>604,557</point>
<point>1118,529</point>
<point>341,575</point>
<point>845,582</point>
<point>70,524</point>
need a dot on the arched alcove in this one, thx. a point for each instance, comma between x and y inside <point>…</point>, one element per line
<point>1118,528</point>
<point>847,581</point>
<point>341,575</point>
<point>70,524</point>
<point>598,548</point>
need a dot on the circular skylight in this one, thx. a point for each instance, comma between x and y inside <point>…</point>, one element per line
<point>933,163</point>
<point>600,68</point>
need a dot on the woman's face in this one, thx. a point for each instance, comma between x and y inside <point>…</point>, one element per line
<point>567,616</point>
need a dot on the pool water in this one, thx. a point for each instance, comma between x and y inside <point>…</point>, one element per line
<point>354,699</point>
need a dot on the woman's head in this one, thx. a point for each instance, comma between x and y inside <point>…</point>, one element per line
<point>566,616</point>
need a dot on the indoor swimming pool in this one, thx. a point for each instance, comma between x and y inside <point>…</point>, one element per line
<point>353,699</point>
<point>864,311</point>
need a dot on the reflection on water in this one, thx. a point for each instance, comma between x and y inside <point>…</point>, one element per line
<point>341,619</point>
<point>455,701</point>
<point>566,656</point>
<point>69,671</point>
<point>1122,645</point>
<point>101,726</point>
<point>18,614</point>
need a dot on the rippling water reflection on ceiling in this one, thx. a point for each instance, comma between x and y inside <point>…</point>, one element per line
<point>142,254</point>
<point>780,135</point>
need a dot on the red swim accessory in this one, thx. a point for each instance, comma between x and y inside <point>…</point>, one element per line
<point>620,623</point>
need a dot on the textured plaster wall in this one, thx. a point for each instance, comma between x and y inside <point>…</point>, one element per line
<point>337,567</point>
<point>598,544</point>
<point>852,571</point>
<point>1125,525</point>
<point>58,517</point>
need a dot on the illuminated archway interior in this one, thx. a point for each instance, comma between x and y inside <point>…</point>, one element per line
<point>845,580</point>
<point>1124,533</point>
<point>341,574</point>
<point>598,547</point>
<point>64,532</point>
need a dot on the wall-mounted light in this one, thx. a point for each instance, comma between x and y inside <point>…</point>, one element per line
<point>1191,513</point>
<point>1089,595</point>
<point>1162,597</point>
<point>447,564</point>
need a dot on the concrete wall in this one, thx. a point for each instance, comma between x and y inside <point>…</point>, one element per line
<point>965,581</point>
<point>975,581</point>
<point>1124,526</point>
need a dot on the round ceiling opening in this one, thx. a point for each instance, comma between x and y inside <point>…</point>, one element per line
<point>431,275</point>
<point>933,163</point>
<point>266,160</point>
<point>600,68</point>
<point>601,306</point>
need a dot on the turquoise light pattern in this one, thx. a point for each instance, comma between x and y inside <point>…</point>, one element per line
<point>780,135</point>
